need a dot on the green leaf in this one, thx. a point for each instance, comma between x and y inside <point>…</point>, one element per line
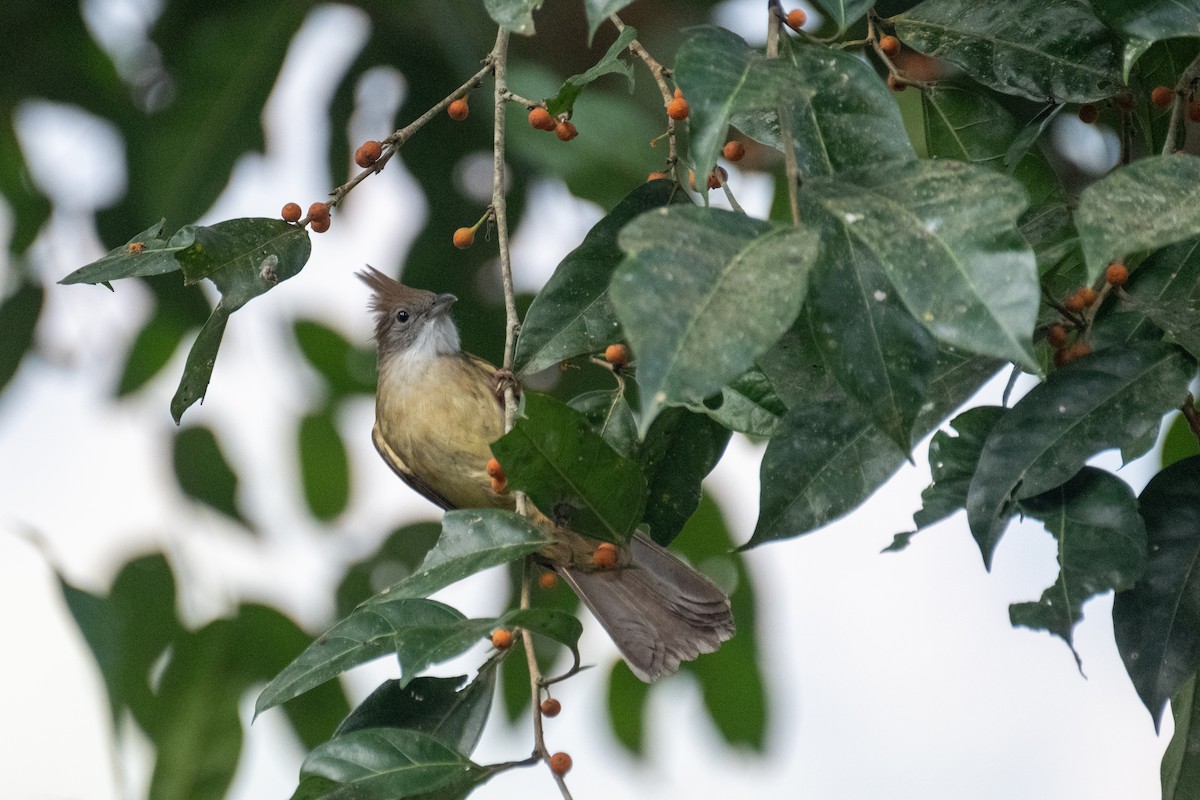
<point>1101,546</point>
<point>472,540</point>
<point>346,369</point>
<point>324,466</point>
<point>151,350</point>
<point>1111,398</point>
<point>735,284</point>
<point>608,413</point>
<point>952,462</point>
<point>433,706</point>
<point>204,473</point>
<point>841,114</point>
<point>1147,205</point>
<point>1157,622</point>
<point>385,764</point>
<point>1151,20</point>
<point>845,12</point>
<point>1181,761</point>
<point>19,313</point>
<point>1167,277</point>
<point>627,707</point>
<point>598,12</point>
<point>681,448</point>
<point>570,472</point>
<point>1037,49</point>
<point>609,63</point>
<point>147,253</point>
<point>399,556</point>
<point>829,458</point>
<point>747,404</point>
<point>516,15</point>
<point>1180,442</point>
<point>367,634</point>
<point>945,235</point>
<point>573,315</point>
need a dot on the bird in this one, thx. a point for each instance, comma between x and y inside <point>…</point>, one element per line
<point>437,411</point>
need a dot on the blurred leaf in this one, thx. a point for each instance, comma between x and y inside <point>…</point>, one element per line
<point>514,683</point>
<point>1157,622</point>
<point>573,315</point>
<point>346,368</point>
<point>598,12</point>
<point>1147,205</point>
<point>204,473</point>
<point>1101,546</point>
<point>367,634</point>
<point>845,12</point>
<point>736,285</point>
<point>384,764</point>
<point>1036,49</point>
<point>608,413</point>
<point>841,114</point>
<point>1181,761</point>
<point>1107,399</point>
<point>472,540</point>
<point>19,313</point>
<point>516,15</point>
<point>1180,442</point>
<point>151,350</point>
<point>398,557</point>
<point>747,404</point>
<point>681,448</point>
<point>434,706</point>
<point>945,235</point>
<point>324,466</point>
<point>1151,20</point>
<point>627,707</point>
<point>609,63</point>
<point>570,472</point>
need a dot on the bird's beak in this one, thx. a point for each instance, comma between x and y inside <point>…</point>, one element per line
<point>442,303</point>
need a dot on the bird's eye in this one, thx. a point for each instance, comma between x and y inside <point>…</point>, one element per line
<point>402,316</point>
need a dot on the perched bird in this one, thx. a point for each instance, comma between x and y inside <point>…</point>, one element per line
<point>437,410</point>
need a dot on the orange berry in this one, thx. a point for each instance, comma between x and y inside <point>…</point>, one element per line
<point>656,176</point>
<point>1056,337</point>
<point>733,151</point>
<point>502,639</point>
<point>458,110</point>
<point>464,238</point>
<point>550,707</point>
<point>1076,352</point>
<point>617,355</point>
<point>1088,295</point>
<point>565,130</point>
<point>319,224</point>
<point>605,556</point>
<point>1161,96</point>
<point>494,470</point>
<point>714,182</point>
<point>499,485</point>
<point>368,153</point>
<point>1074,301</point>
<point>540,119</point>
<point>133,248</point>
<point>895,84</point>
<point>1116,274</point>
<point>677,109</point>
<point>560,764</point>
<point>318,211</point>
<point>890,46</point>
<point>547,580</point>
<point>796,19</point>
<point>678,92</point>
<point>1088,113</point>
<point>1194,111</point>
<point>291,212</point>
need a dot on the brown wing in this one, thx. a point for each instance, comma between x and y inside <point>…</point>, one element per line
<point>400,468</point>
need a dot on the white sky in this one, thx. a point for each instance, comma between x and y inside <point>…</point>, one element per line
<point>889,676</point>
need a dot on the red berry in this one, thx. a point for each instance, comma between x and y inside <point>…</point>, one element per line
<point>502,639</point>
<point>560,764</point>
<point>733,151</point>
<point>605,556</point>
<point>617,355</point>
<point>1116,274</point>
<point>565,131</point>
<point>540,118</point>
<point>291,212</point>
<point>890,46</point>
<point>1056,337</point>
<point>318,211</point>
<point>458,110</point>
<point>1161,96</point>
<point>1088,295</point>
<point>1074,301</point>
<point>677,109</point>
<point>366,155</point>
<point>714,182</point>
<point>550,706</point>
<point>547,580</point>
<point>796,19</point>
<point>319,224</point>
<point>464,238</point>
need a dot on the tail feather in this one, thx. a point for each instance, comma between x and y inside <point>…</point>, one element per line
<point>659,611</point>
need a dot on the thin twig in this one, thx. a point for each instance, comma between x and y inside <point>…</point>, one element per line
<point>775,17</point>
<point>660,74</point>
<point>513,97</point>
<point>535,681</point>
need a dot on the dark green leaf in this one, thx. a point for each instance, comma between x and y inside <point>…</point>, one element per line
<point>368,633</point>
<point>609,414</point>
<point>573,315</point>
<point>1147,205</point>
<point>147,253</point>
<point>324,467</point>
<point>346,368</point>
<point>472,540</point>
<point>1151,20</point>
<point>845,12</point>
<point>952,462</point>
<point>204,473</point>
<point>570,472</point>
<point>681,448</point>
<point>609,63</point>
<point>598,12</point>
<point>1180,442</point>
<point>516,15</point>
<point>1039,49</point>
<point>19,315</point>
<point>748,404</point>
<point>945,235</point>
<point>1107,399</point>
<point>627,707</point>
<point>1168,277</point>
<point>434,706</point>
<point>1157,622</point>
<point>840,113</point>
<point>385,764</point>
<point>153,347</point>
<point>1101,546</point>
<point>1181,761</point>
<point>735,287</point>
<point>398,557</point>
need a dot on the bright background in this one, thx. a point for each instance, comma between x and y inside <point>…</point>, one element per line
<point>889,676</point>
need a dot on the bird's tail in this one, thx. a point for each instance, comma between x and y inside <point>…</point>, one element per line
<point>658,610</point>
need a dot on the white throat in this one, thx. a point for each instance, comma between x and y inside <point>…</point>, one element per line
<point>438,338</point>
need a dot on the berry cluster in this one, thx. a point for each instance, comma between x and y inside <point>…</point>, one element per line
<point>1076,314</point>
